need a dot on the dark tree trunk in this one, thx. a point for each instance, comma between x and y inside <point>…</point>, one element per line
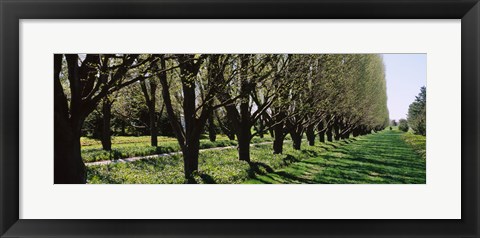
<point>355,132</point>
<point>150,99</point>
<point>106,133</point>
<point>329,134</point>
<point>310,135</point>
<point>278,144</point>
<point>68,165</point>
<point>212,134</point>
<point>123,127</point>
<point>296,132</point>
<point>346,133</point>
<point>153,125</point>
<point>321,132</point>
<point>336,129</point>
<point>296,139</point>
<point>278,139</point>
<point>244,139</point>
<point>278,132</point>
<point>321,136</point>
<point>190,158</point>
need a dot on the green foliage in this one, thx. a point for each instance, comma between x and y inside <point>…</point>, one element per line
<point>393,123</point>
<point>418,142</point>
<point>403,125</point>
<point>417,113</point>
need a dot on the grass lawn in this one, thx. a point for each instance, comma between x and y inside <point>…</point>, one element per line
<point>380,158</point>
<point>418,142</point>
<point>131,146</point>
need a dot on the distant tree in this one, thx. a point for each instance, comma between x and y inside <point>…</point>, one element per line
<point>403,125</point>
<point>149,90</point>
<point>393,123</point>
<point>417,117</point>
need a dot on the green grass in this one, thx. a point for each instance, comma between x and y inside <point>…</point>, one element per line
<point>129,146</point>
<point>418,143</point>
<point>214,167</point>
<point>379,158</point>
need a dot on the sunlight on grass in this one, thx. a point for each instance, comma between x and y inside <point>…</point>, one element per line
<point>379,158</point>
<point>126,147</point>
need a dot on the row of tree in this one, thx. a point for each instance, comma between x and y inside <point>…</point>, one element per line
<point>417,115</point>
<point>241,95</point>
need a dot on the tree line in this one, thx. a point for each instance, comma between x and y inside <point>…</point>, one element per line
<point>329,96</point>
<point>417,115</point>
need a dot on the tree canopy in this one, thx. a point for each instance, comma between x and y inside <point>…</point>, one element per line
<point>241,95</point>
<point>417,113</point>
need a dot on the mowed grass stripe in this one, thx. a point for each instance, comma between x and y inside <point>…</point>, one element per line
<point>380,158</point>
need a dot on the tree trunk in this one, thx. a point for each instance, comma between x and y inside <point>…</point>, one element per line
<point>106,133</point>
<point>296,139</point>
<point>336,129</point>
<point>68,165</point>
<point>321,132</point>
<point>310,135</point>
<point>355,132</point>
<point>244,138</point>
<point>278,139</point>
<point>329,134</point>
<point>153,125</point>
<point>321,136</point>
<point>190,158</point>
<point>212,134</point>
<point>123,128</point>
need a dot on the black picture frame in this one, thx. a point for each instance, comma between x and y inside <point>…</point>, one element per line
<point>12,11</point>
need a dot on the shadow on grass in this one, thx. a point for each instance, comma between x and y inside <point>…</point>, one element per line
<point>207,179</point>
<point>257,168</point>
<point>380,158</point>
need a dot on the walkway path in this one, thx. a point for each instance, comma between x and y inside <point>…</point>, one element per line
<point>105,162</point>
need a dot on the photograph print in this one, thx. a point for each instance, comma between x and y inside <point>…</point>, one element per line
<point>239,118</point>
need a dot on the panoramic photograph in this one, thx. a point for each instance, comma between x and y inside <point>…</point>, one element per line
<point>240,118</point>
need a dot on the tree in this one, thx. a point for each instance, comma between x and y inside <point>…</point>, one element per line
<point>253,73</point>
<point>149,90</point>
<point>89,78</point>
<point>417,116</point>
<point>393,123</point>
<point>403,125</point>
<point>107,115</point>
<point>195,107</point>
<point>332,95</point>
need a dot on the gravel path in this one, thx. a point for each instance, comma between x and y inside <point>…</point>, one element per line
<point>105,162</point>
